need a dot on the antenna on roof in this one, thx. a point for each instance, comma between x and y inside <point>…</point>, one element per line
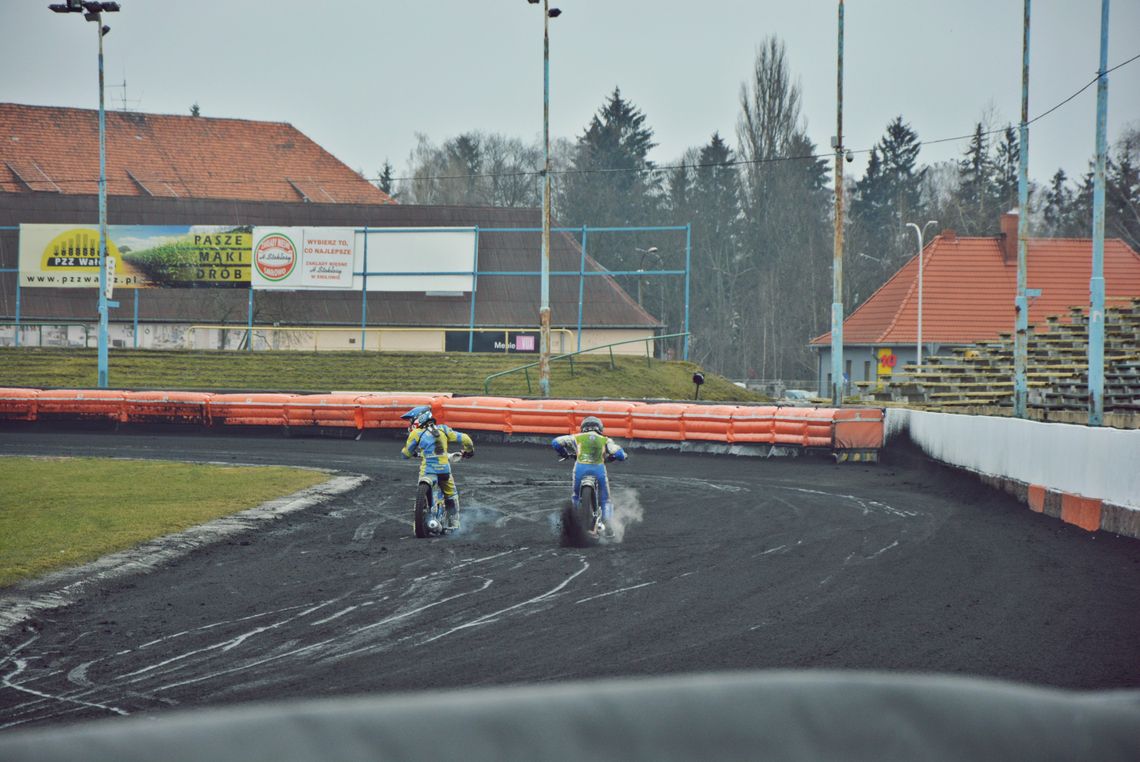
<point>123,97</point>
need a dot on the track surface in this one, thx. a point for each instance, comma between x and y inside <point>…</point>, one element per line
<point>725,563</point>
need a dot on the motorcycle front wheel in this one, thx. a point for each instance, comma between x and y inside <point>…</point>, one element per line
<point>423,509</point>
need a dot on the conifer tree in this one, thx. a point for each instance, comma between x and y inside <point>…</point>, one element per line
<point>610,180</point>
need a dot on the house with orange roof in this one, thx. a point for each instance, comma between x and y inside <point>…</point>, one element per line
<point>55,150</point>
<point>968,289</point>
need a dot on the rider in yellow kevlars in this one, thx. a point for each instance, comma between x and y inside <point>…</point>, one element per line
<point>591,450</point>
<point>429,440</point>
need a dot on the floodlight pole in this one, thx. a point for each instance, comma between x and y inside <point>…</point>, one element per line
<point>837,259</point>
<point>1096,282</point>
<point>103,306</point>
<point>1021,304</point>
<point>544,307</point>
<point>93,11</point>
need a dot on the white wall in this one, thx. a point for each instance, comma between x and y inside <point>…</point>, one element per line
<point>1089,461</point>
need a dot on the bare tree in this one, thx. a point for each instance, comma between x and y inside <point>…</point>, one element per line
<point>785,218</point>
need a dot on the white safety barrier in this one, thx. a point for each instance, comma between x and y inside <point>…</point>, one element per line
<point>1057,468</point>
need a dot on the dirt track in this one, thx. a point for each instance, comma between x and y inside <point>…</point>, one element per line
<point>726,563</point>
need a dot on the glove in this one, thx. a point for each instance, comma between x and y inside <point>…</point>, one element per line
<point>468,454</point>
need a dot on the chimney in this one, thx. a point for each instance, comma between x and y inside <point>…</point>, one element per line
<point>1009,236</point>
<point>950,235</point>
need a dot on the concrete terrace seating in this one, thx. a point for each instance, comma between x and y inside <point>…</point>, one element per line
<point>980,376</point>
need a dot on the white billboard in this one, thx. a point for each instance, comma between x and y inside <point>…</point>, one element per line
<point>423,253</point>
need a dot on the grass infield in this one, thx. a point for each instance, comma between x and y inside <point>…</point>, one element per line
<point>60,512</point>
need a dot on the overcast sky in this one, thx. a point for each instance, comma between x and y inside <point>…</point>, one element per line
<point>362,77</point>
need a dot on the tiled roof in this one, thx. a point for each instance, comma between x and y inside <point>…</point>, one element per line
<point>56,150</point>
<point>969,286</point>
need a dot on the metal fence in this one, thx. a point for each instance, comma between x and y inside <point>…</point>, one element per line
<point>66,331</point>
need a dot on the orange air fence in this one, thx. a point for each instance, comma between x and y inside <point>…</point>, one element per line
<point>753,425</point>
<point>383,411</point>
<point>326,410</point>
<point>616,416</point>
<point>711,423</point>
<point>481,413</point>
<point>18,404</point>
<point>543,417</point>
<point>165,407</point>
<point>802,427</point>
<point>80,404</point>
<point>247,409</point>
<point>662,420</point>
<point>859,428</point>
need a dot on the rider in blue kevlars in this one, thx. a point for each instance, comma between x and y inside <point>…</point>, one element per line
<point>429,440</point>
<point>591,450</point>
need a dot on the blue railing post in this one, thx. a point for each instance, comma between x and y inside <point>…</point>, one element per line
<point>688,271</point>
<point>581,287</point>
<point>249,321</point>
<point>364,295</point>
<point>18,309</point>
<point>474,285</point>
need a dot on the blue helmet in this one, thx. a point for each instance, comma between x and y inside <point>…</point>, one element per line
<point>420,416</point>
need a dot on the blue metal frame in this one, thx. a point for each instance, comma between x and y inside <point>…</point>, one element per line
<point>364,293</point>
<point>581,287</point>
<point>581,273</point>
<point>474,286</point>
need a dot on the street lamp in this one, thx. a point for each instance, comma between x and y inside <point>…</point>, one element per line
<point>93,11</point>
<point>544,307</point>
<point>921,233</point>
<point>641,268</point>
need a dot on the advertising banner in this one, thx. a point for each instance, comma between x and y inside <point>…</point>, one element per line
<point>303,258</point>
<point>491,341</point>
<point>415,259</point>
<point>433,261</point>
<point>139,256</point>
<point>887,361</point>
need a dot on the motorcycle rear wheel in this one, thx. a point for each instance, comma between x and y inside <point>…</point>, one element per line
<point>578,521</point>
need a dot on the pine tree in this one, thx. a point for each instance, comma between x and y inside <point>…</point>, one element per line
<point>1057,214</point>
<point>975,184</point>
<point>384,182</point>
<point>610,181</point>
<point>1003,192</point>
<point>718,266</point>
<point>888,196</point>
<point>465,157</point>
<point>1122,200</point>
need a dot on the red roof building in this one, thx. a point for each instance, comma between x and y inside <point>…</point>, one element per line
<point>968,291</point>
<point>46,149</point>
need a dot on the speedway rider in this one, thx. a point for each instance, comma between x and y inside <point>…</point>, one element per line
<point>429,440</point>
<point>591,450</point>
